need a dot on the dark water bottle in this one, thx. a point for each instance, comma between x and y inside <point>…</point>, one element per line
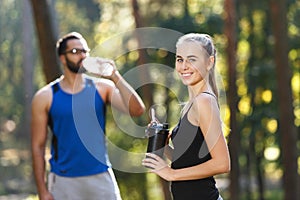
<point>157,134</point>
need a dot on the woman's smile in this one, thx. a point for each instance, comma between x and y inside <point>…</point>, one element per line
<point>186,74</point>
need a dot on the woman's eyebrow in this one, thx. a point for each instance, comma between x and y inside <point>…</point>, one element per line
<point>191,56</point>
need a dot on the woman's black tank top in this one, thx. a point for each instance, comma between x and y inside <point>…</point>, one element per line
<point>190,149</point>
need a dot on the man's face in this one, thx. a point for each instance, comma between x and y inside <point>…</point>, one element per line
<point>75,53</point>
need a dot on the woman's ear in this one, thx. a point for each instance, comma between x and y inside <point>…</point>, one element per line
<point>211,63</point>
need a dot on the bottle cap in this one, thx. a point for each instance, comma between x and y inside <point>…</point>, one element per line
<point>165,125</point>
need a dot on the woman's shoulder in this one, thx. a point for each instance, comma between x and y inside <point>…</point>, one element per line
<point>205,99</point>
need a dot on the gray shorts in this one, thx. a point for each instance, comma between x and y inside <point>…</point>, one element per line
<point>95,187</point>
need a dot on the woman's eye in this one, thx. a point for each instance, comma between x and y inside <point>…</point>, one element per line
<point>179,60</point>
<point>191,60</point>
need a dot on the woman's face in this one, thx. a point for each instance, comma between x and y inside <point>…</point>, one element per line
<point>191,62</point>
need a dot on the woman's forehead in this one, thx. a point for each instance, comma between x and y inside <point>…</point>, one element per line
<point>190,48</point>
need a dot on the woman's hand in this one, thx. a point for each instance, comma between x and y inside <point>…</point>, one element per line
<point>158,166</point>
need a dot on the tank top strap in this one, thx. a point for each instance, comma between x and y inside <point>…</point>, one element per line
<point>190,106</point>
<point>55,85</point>
<point>213,96</point>
<point>185,111</point>
<point>209,94</point>
<point>89,82</point>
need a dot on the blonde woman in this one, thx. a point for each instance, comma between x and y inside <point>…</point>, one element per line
<point>199,148</point>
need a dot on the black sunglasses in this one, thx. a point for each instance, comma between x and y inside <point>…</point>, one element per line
<point>77,51</point>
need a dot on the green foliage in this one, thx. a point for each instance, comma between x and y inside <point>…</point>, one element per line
<point>10,67</point>
<point>98,21</point>
<point>80,16</point>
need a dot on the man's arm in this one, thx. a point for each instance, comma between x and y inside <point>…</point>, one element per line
<point>121,95</point>
<point>39,120</point>
<point>132,102</point>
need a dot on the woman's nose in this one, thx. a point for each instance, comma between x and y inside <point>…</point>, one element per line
<point>185,64</point>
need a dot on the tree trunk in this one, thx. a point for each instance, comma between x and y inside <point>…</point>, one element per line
<point>47,38</point>
<point>287,127</point>
<point>230,32</point>
<point>27,64</point>
<point>260,176</point>
<point>144,76</point>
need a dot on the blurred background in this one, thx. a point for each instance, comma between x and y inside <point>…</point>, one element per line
<point>258,44</point>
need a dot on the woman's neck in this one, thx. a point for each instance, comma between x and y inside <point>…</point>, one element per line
<point>202,86</point>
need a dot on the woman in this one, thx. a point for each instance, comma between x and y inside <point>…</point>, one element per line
<point>200,150</point>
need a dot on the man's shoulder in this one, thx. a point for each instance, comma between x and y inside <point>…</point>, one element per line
<point>48,88</point>
<point>44,90</point>
<point>45,93</point>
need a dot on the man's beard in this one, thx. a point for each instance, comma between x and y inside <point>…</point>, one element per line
<point>75,67</point>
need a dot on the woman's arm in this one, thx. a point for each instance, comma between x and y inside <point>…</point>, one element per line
<point>209,121</point>
<point>168,152</point>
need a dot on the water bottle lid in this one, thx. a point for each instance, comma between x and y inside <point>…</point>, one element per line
<point>165,125</point>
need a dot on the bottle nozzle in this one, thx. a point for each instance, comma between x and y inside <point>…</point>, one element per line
<point>152,113</point>
<point>165,125</point>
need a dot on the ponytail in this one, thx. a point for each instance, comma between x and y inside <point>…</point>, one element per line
<point>212,79</point>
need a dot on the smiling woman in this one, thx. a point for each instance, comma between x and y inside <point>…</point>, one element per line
<point>199,148</point>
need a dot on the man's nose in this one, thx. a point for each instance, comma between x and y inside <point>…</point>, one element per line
<point>83,54</point>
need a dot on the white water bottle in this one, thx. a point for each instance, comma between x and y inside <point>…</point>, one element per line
<point>98,66</point>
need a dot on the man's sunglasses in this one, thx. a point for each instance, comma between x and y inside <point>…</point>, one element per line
<point>77,51</point>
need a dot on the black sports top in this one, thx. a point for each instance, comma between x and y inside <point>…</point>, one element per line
<point>190,149</point>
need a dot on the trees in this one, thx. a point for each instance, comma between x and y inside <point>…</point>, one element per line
<point>234,138</point>
<point>47,38</point>
<point>286,118</point>
<point>264,129</point>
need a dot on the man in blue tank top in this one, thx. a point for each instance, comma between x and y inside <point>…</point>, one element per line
<point>73,106</point>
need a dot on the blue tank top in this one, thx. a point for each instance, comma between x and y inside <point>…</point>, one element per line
<point>77,122</point>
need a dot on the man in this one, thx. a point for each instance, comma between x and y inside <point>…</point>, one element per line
<point>73,106</point>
